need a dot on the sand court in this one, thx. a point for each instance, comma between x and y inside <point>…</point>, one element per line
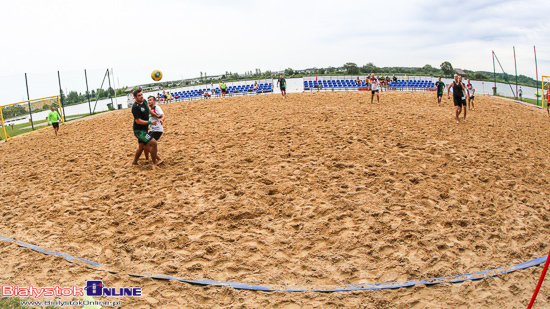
<point>316,189</point>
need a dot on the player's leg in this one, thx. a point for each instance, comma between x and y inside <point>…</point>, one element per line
<point>472,100</point>
<point>464,108</point>
<point>156,136</point>
<point>138,153</point>
<point>378,97</point>
<point>458,107</point>
<point>153,150</point>
<point>371,97</point>
<point>146,151</point>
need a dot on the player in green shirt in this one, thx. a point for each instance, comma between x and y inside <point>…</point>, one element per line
<point>53,118</point>
<point>282,82</point>
<point>440,89</point>
<point>223,87</point>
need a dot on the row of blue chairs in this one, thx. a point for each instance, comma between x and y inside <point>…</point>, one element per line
<point>232,90</point>
<point>350,83</point>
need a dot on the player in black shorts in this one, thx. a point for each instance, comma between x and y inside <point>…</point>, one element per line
<point>440,89</point>
<point>282,83</point>
<point>459,96</point>
<point>140,111</point>
<point>223,87</point>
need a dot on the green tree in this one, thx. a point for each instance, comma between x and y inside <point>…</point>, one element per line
<point>351,68</point>
<point>447,68</point>
<point>429,69</point>
<point>110,92</point>
<point>72,97</point>
<point>370,68</point>
<point>62,96</point>
<point>289,72</point>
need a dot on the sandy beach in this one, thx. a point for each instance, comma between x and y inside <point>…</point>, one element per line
<point>316,189</point>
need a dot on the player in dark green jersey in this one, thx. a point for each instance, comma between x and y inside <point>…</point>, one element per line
<point>282,83</point>
<point>440,90</point>
<point>141,112</point>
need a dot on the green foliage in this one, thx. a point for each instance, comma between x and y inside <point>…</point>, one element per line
<point>369,68</point>
<point>480,76</point>
<point>351,68</point>
<point>13,111</point>
<point>289,72</point>
<point>447,68</point>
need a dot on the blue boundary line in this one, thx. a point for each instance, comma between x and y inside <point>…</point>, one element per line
<point>528,104</point>
<point>279,288</point>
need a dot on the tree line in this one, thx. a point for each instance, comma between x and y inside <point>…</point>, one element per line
<point>444,70</point>
<point>74,97</point>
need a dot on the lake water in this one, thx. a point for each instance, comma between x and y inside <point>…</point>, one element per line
<point>294,85</point>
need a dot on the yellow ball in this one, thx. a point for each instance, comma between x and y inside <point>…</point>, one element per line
<point>156,75</point>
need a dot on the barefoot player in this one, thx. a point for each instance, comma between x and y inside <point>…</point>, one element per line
<point>375,88</point>
<point>157,115</point>
<point>223,87</point>
<point>440,89</point>
<point>140,111</point>
<point>282,83</point>
<point>459,97</point>
<point>471,95</point>
<point>54,118</point>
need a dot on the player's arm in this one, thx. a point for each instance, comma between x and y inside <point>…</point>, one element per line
<point>143,122</point>
<point>449,90</point>
<point>138,120</point>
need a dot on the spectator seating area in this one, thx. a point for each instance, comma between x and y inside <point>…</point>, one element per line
<point>231,90</point>
<point>352,84</point>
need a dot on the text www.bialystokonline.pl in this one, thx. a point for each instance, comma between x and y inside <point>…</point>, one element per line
<point>62,303</point>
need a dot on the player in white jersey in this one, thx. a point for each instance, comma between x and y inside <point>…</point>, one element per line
<point>375,88</point>
<point>156,130</point>
<point>471,95</point>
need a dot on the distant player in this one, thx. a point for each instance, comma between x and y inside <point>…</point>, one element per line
<point>54,118</point>
<point>548,100</point>
<point>223,87</point>
<point>471,94</point>
<point>140,111</point>
<point>459,96</point>
<point>155,114</point>
<point>375,88</point>
<point>282,83</point>
<point>520,92</point>
<point>440,89</point>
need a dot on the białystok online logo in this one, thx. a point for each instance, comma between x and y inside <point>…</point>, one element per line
<point>92,288</point>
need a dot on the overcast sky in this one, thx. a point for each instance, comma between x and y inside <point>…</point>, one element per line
<point>184,38</point>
